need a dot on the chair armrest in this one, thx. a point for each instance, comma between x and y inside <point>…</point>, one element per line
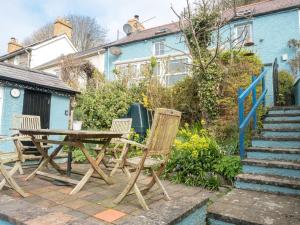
<point>125,141</point>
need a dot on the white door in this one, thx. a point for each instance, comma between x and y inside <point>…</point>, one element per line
<point>1,106</point>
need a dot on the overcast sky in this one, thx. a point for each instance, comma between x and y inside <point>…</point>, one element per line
<point>19,18</point>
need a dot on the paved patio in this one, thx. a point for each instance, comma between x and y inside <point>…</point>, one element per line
<point>51,204</point>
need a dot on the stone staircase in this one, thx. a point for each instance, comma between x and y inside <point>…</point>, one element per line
<point>273,162</point>
<point>268,189</point>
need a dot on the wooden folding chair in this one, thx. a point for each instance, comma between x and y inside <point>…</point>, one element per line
<point>28,122</point>
<point>122,126</point>
<point>155,154</point>
<point>13,157</point>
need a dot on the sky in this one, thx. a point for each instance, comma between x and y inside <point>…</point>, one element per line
<point>19,18</point>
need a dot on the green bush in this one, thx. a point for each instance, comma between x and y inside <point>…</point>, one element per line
<point>228,167</point>
<point>197,160</point>
<point>98,107</point>
<point>285,86</point>
<point>192,159</point>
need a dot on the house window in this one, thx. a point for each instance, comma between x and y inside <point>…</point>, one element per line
<point>244,33</point>
<point>128,70</point>
<point>177,66</point>
<point>17,60</point>
<point>159,48</point>
<point>157,69</point>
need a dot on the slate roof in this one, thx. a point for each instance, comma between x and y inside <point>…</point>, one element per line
<point>263,7</point>
<point>35,78</point>
<point>75,55</point>
<point>159,31</point>
<point>23,49</point>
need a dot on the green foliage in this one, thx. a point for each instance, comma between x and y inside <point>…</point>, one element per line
<point>229,167</point>
<point>285,86</point>
<point>100,106</point>
<point>197,159</point>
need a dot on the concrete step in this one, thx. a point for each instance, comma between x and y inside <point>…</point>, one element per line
<point>272,184</point>
<point>282,154</point>
<point>271,167</point>
<point>282,118</point>
<point>281,124</point>
<point>279,132</point>
<point>284,110</point>
<point>276,142</point>
<point>244,207</point>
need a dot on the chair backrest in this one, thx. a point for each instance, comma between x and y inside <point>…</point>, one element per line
<point>122,125</point>
<point>163,131</point>
<point>27,122</point>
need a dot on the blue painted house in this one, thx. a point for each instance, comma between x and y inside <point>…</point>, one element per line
<point>265,28</point>
<point>131,54</point>
<point>31,92</point>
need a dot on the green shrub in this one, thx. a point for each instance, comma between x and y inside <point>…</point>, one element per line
<point>100,106</point>
<point>192,159</point>
<point>197,160</point>
<point>229,167</point>
<point>285,86</point>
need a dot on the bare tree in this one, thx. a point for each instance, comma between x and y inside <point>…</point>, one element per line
<point>86,34</point>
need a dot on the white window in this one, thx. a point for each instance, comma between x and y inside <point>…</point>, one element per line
<point>177,66</point>
<point>157,69</point>
<point>243,33</point>
<point>17,60</point>
<point>128,70</point>
<point>159,48</point>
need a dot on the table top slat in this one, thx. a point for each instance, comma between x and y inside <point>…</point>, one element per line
<point>72,133</point>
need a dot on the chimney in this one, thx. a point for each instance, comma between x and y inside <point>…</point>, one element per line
<point>136,24</point>
<point>62,26</point>
<point>13,45</point>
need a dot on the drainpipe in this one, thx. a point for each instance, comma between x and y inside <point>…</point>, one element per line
<point>108,72</point>
<point>28,57</point>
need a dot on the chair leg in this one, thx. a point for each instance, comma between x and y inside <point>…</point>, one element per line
<point>121,162</point>
<point>160,185</point>
<point>137,191</point>
<point>10,173</point>
<point>153,180</point>
<point>12,182</point>
<point>21,172</point>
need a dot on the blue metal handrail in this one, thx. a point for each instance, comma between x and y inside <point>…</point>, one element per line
<point>242,95</point>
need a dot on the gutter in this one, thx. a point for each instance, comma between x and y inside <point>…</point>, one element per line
<point>70,91</point>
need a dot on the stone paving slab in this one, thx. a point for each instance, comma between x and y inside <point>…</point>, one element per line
<point>251,207</point>
<point>49,204</point>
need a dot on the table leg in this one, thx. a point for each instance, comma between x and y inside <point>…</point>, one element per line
<point>45,161</point>
<point>69,163</point>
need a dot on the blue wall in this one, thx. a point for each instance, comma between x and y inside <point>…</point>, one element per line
<point>11,106</point>
<point>143,49</point>
<point>271,34</point>
<point>14,106</point>
<point>297,91</point>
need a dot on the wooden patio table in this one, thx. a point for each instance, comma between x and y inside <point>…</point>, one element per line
<point>71,138</point>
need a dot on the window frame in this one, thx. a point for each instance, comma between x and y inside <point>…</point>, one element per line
<point>161,51</point>
<point>243,25</point>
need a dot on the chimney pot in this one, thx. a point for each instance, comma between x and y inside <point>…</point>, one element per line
<point>62,26</point>
<point>13,45</point>
<point>136,24</point>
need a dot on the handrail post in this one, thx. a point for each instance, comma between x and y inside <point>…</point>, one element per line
<point>241,119</point>
<point>263,84</point>
<point>253,103</point>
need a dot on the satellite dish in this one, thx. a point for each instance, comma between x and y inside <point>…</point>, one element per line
<point>115,51</point>
<point>127,28</point>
